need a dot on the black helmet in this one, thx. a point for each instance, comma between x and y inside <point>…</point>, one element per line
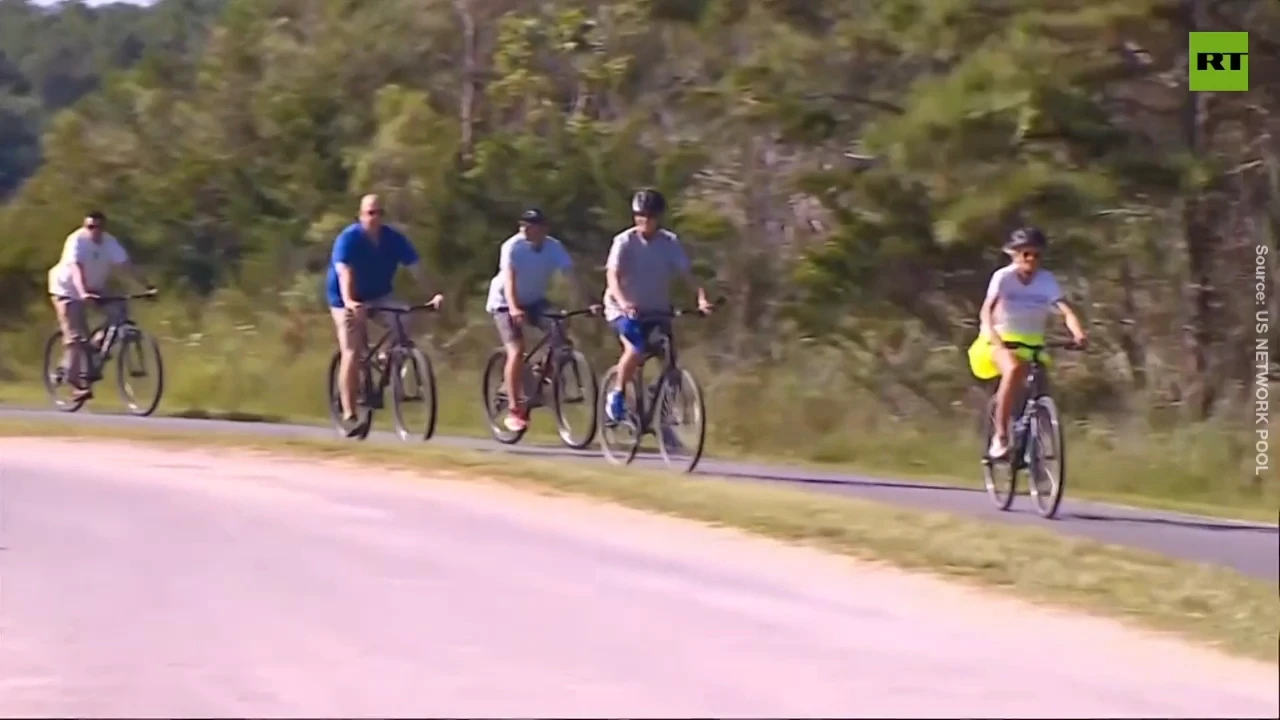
<point>533,216</point>
<point>648,202</point>
<point>1029,236</point>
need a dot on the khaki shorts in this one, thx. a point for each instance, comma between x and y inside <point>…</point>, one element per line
<point>511,331</point>
<point>353,331</point>
<point>73,319</point>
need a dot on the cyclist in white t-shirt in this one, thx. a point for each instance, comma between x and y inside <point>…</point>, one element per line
<point>1019,299</point>
<point>89,255</point>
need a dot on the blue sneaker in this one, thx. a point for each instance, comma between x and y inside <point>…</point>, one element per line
<point>616,408</point>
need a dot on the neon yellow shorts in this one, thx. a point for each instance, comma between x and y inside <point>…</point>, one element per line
<point>982,359</point>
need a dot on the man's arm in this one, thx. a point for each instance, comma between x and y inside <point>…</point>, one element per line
<point>508,271</point>
<point>1072,320</point>
<point>79,252</point>
<point>611,268</point>
<point>409,258</point>
<point>986,316</point>
<point>683,266</point>
<point>341,258</point>
<point>120,259</point>
<point>77,279</point>
<point>571,278</point>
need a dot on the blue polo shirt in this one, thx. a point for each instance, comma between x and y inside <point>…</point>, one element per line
<point>374,265</point>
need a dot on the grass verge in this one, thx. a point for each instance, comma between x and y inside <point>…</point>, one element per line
<point>1221,607</point>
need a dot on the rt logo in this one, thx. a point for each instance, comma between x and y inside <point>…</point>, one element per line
<point>1219,62</point>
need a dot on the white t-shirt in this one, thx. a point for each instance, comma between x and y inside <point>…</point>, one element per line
<point>97,258</point>
<point>534,270</point>
<point>1023,308</point>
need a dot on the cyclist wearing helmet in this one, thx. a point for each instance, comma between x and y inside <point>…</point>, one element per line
<point>518,297</point>
<point>641,265</point>
<point>1017,306</point>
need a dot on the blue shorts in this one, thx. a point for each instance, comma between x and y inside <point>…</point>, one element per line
<point>636,332</point>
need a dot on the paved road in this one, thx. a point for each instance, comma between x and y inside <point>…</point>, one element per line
<point>1251,548</point>
<point>203,583</point>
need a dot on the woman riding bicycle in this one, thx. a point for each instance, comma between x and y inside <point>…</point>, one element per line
<point>1019,298</point>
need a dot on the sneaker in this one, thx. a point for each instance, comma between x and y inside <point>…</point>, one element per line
<point>616,408</point>
<point>517,420</point>
<point>998,448</point>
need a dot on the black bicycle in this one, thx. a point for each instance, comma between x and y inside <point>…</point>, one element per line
<point>673,401</point>
<point>396,361</point>
<point>1036,443</point>
<point>121,334</point>
<point>553,371</point>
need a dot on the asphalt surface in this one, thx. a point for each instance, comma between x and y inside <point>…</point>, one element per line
<point>1250,548</point>
<point>206,583</point>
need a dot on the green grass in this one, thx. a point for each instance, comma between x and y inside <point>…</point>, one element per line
<point>811,407</point>
<point>1212,605</point>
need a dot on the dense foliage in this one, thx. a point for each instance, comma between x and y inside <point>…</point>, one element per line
<point>844,169</point>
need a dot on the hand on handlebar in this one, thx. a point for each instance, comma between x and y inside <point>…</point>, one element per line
<point>595,309</point>
<point>705,306</point>
<point>436,301</point>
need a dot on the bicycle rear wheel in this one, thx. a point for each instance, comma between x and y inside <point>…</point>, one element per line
<point>1048,472</point>
<point>131,370</point>
<point>574,386</point>
<point>619,441</point>
<point>493,393</point>
<point>364,415</point>
<point>54,375</point>
<point>413,385</point>
<point>998,476</point>
<point>681,408</point>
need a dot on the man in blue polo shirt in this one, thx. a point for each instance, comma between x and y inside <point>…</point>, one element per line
<point>366,255</point>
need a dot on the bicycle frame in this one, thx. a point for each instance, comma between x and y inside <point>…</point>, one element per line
<point>399,338</point>
<point>1025,428</point>
<point>660,344</point>
<point>111,331</point>
<point>554,341</point>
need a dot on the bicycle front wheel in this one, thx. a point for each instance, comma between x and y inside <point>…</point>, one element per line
<point>998,476</point>
<point>137,351</point>
<point>574,393</point>
<point>619,440</point>
<point>363,415</point>
<point>55,375</point>
<point>682,421</point>
<point>413,394</point>
<point>1048,472</point>
<point>493,394</point>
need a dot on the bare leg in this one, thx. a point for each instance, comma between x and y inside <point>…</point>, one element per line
<point>1012,375</point>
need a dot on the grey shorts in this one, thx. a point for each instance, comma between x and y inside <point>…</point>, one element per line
<point>510,331</point>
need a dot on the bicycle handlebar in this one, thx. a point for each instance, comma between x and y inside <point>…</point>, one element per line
<point>559,315</point>
<point>1059,345</point>
<point>425,307</point>
<point>148,295</point>
<point>678,312</point>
